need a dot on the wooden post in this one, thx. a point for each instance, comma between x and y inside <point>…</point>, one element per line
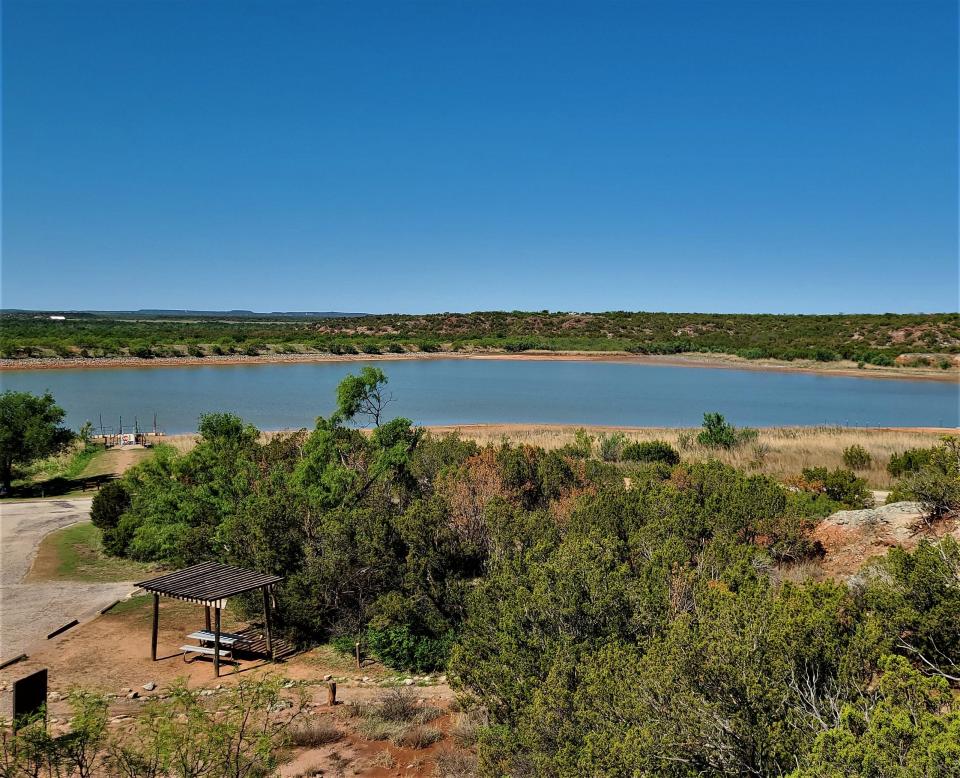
<point>206,617</point>
<point>356,649</point>
<point>216,641</point>
<point>332,693</point>
<point>266,620</point>
<point>156,627</point>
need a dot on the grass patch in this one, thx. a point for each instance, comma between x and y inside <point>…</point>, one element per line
<point>75,553</point>
<point>75,472</point>
<point>417,737</point>
<point>777,451</point>
<point>313,734</point>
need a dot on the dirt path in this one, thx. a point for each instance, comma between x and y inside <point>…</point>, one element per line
<point>30,611</point>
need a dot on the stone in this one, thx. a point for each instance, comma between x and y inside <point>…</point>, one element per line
<point>408,681</point>
<point>133,695</point>
<point>149,686</point>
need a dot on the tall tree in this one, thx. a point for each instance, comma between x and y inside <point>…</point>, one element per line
<point>29,430</point>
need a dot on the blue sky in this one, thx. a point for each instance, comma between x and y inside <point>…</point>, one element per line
<point>791,156</point>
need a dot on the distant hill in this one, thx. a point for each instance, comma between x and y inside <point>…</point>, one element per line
<point>877,339</point>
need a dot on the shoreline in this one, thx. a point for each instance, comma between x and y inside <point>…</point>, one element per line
<point>698,360</point>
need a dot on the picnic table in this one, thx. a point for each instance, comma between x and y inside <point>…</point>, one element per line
<point>206,638</point>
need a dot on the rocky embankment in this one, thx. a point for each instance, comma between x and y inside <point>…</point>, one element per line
<point>850,538</point>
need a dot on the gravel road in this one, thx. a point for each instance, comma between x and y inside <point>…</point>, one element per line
<point>30,611</point>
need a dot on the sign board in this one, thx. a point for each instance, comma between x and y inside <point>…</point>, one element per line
<point>29,696</point>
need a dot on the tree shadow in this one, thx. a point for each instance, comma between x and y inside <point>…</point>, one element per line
<point>58,486</point>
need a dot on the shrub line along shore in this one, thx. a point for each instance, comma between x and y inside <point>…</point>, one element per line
<point>714,361</point>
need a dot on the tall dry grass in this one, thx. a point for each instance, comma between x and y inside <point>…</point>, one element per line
<point>777,451</point>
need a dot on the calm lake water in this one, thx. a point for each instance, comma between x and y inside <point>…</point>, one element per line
<point>464,391</point>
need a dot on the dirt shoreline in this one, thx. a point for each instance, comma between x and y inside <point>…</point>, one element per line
<point>711,361</point>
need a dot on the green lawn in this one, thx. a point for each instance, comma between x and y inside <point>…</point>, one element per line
<point>76,553</point>
<point>76,473</point>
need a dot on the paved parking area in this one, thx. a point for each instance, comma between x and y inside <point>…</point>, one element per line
<point>30,611</point>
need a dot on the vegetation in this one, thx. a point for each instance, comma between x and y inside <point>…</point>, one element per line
<point>856,457</point>
<point>651,451</point>
<point>238,736</point>
<point>30,429</point>
<point>931,477</point>
<point>598,628</point>
<point>780,452</point>
<point>867,339</point>
<point>77,553</point>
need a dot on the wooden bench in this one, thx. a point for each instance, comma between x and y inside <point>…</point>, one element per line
<point>206,650</point>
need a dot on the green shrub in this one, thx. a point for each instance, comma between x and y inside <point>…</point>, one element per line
<point>611,446</point>
<point>938,492</point>
<point>582,446</point>
<point>400,648</point>
<point>109,505</point>
<point>345,644</point>
<point>909,461</point>
<point>651,451</point>
<point>856,457</point>
<point>840,485</point>
<point>716,432</point>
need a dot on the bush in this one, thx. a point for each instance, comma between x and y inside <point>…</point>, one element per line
<point>345,644</point>
<point>910,461</point>
<point>651,451</point>
<point>857,457</point>
<point>109,505</point>
<point>400,648</point>
<point>840,485</point>
<point>455,764</point>
<point>611,446</point>
<point>315,733</point>
<point>716,432</point>
<point>582,446</point>
<point>398,706</point>
<point>938,492</point>
<point>416,737</point>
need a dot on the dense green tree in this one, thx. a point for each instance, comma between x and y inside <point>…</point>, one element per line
<point>30,429</point>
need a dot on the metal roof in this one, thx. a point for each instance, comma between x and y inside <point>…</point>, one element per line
<point>208,582</point>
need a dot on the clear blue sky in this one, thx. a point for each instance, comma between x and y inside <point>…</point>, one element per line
<point>784,156</point>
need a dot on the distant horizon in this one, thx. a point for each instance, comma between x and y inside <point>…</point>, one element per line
<point>357,314</point>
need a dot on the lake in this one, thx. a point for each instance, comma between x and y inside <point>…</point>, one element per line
<point>452,391</point>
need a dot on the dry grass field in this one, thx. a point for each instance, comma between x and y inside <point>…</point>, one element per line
<point>777,451</point>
